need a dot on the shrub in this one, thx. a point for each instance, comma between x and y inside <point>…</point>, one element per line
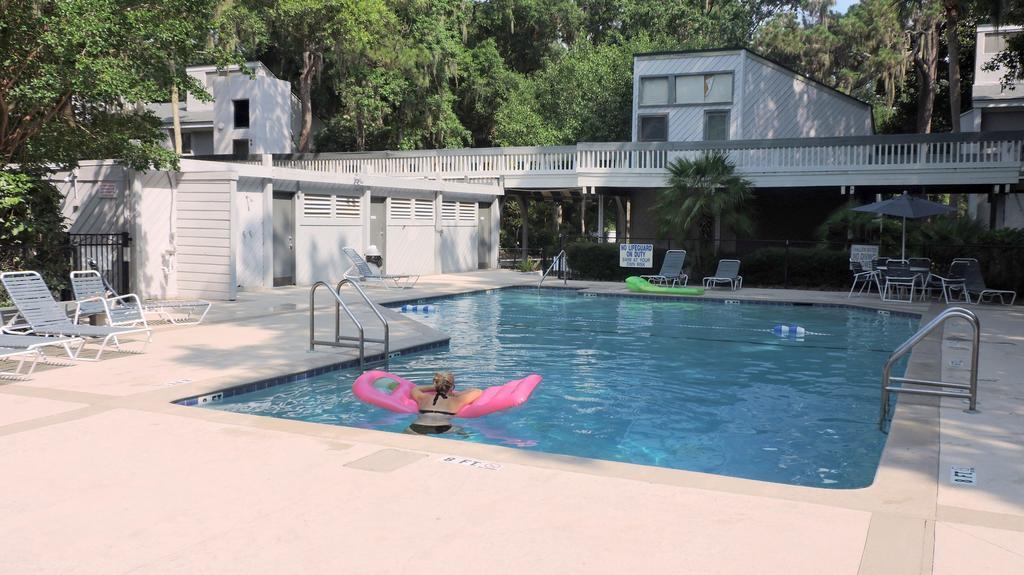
<point>815,268</point>
<point>32,230</point>
<point>600,262</point>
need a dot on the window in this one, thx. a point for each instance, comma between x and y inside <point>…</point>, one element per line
<point>704,89</point>
<point>653,91</point>
<point>347,207</point>
<point>996,41</point>
<point>454,211</point>
<point>716,126</point>
<point>316,206</point>
<point>653,128</point>
<point>240,148</point>
<point>467,212</point>
<point>241,109</point>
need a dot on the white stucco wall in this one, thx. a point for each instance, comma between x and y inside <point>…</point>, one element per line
<point>151,250</point>
<point>318,241</point>
<point>86,211</point>
<point>769,101</point>
<point>270,111</point>
<point>987,83</point>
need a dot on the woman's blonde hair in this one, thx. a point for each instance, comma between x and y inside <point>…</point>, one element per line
<point>444,382</point>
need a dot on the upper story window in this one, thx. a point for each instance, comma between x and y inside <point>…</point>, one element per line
<point>654,91</point>
<point>716,125</point>
<point>704,89</point>
<point>241,111</point>
<point>653,128</point>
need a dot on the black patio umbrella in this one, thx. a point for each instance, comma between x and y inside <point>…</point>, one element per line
<point>906,206</point>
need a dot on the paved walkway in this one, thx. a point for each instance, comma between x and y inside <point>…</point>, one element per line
<point>102,474</point>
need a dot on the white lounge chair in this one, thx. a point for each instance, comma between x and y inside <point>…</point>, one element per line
<point>364,272</point>
<point>22,348</point>
<point>46,317</point>
<point>94,296</point>
<point>728,272</point>
<point>671,269</point>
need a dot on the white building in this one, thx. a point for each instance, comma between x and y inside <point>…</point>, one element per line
<point>250,113</point>
<point>216,227</point>
<point>715,95</point>
<point>995,108</point>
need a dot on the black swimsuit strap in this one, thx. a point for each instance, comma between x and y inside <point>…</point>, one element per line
<point>436,411</point>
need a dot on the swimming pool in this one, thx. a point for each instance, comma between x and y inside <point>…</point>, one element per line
<point>701,386</point>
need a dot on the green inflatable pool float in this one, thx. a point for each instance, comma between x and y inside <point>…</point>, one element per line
<point>636,283</point>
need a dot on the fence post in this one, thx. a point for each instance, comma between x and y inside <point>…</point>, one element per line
<point>785,268</point>
<point>126,240</point>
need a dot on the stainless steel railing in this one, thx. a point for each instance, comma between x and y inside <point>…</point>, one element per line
<point>564,268</point>
<point>968,391</point>
<point>358,341</point>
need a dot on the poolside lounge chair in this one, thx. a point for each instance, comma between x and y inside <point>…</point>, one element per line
<point>21,348</point>
<point>364,272</point>
<point>671,269</point>
<point>94,296</point>
<point>967,279</point>
<point>728,272</point>
<point>46,317</point>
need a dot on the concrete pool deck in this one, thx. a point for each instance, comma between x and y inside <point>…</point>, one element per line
<point>101,473</point>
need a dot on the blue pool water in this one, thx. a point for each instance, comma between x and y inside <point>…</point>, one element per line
<point>681,384</point>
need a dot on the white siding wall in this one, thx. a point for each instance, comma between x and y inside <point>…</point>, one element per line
<point>780,104</point>
<point>86,212</point>
<point>768,100</point>
<point>318,242</point>
<point>686,123</point>
<point>987,83</point>
<point>249,214</point>
<point>412,240</point>
<point>205,260</point>
<point>151,250</point>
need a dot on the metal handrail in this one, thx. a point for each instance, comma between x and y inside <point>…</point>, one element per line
<point>554,262</point>
<point>970,389</point>
<point>384,322</point>
<point>357,342</point>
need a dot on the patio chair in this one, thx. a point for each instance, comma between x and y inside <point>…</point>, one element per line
<point>46,317</point>
<point>671,269</point>
<point>70,345</point>
<point>974,283</point>
<point>364,272</point>
<point>864,277</point>
<point>897,277</point>
<point>21,355</point>
<point>94,296</point>
<point>923,267</point>
<point>728,271</point>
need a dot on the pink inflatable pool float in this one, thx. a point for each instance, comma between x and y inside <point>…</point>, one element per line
<point>495,398</point>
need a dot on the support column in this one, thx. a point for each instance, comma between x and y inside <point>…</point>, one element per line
<point>583,213</point>
<point>438,232</point>
<point>268,223</point>
<point>600,217</point>
<point>620,220</point>
<point>524,206</point>
<point>136,266</point>
<point>364,212</point>
<point>495,232</point>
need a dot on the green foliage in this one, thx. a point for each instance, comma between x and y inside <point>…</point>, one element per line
<point>701,192</point>
<point>598,262</point>
<point>814,268</point>
<point>32,230</point>
<point>72,71</point>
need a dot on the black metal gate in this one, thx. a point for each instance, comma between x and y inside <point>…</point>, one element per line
<point>107,252</point>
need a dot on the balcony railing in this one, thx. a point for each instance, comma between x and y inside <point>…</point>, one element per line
<point>790,156</point>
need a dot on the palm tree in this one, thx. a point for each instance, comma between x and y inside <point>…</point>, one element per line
<point>704,194</point>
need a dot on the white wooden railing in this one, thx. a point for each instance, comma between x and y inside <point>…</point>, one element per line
<point>805,155</point>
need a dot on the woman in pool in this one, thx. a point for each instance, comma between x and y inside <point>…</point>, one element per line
<point>438,403</point>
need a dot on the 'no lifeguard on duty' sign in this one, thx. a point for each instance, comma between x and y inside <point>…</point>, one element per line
<point>636,255</point>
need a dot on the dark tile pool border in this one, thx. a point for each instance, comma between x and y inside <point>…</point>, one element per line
<point>219,395</point>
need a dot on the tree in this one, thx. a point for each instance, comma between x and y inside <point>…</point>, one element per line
<point>704,195</point>
<point>309,30</point>
<point>952,8</point>
<point>924,42</point>
<point>72,72</point>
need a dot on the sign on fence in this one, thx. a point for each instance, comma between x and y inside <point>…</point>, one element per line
<point>863,253</point>
<point>636,255</point>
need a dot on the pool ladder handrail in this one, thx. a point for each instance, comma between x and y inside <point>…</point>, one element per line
<point>358,342</point>
<point>565,269</point>
<point>968,391</point>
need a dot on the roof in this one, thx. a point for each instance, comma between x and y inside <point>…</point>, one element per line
<point>756,55</point>
<point>163,111</point>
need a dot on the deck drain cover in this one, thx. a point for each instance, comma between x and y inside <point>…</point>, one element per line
<point>963,476</point>
<point>386,460</point>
